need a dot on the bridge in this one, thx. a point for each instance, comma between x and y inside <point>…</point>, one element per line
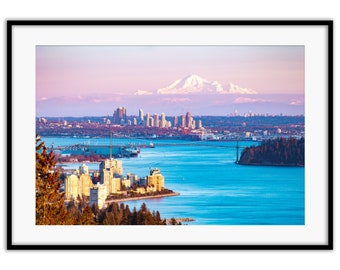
<point>130,146</point>
<point>104,146</point>
<point>106,143</point>
<point>236,146</point>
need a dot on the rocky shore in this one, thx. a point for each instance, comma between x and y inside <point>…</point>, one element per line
<point>147,197</point>
<point>169,220</point>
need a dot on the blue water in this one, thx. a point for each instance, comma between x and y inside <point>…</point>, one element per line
<point>213,189</point>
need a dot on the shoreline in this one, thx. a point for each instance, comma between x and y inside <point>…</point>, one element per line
<point>270,164</point>
<point>142,198</point>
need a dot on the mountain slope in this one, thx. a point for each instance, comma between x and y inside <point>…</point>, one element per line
<point>194,84</point>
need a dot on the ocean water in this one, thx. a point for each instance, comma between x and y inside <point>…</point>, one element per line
<point>213,189</point>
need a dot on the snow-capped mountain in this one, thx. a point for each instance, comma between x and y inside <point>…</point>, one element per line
<point>231,88</point>
<point>194,84</point>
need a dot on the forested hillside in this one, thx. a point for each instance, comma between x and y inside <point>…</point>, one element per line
<point>281,151</point>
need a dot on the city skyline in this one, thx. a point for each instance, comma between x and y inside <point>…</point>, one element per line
<point>94,80</point>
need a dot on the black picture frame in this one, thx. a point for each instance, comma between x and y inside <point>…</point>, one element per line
<point>12,159</point>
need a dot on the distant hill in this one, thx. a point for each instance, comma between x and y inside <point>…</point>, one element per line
<point>275,152</point>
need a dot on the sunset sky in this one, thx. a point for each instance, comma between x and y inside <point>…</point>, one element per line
<point>95,80</point>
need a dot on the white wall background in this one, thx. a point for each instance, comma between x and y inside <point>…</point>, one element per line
<point>155,9</point>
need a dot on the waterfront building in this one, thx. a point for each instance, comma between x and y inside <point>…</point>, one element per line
<point>71,187</point>
<point>85,183</point>
<point>156,179</point>
<point>83,169</point>
<point>78,183</point>
<point>112,166</point>
<point>110,169</point>
<point>140,190</point>
<point>110,173</point>
<point>98,195</point>
<point>114,185</point>
<point>132,177</point>
<point>126,183</point>
<point>151,189</point>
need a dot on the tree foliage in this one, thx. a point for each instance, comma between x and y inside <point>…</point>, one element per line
<point>116,214</point>
<point>50,206</point>
<point>281,151</point>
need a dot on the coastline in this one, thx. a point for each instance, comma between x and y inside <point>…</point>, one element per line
<point>270,164</point>
<point>142,198</point>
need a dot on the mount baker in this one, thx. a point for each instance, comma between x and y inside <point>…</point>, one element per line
<point>194,84</point>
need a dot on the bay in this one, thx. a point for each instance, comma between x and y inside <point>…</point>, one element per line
<point>213,189</point>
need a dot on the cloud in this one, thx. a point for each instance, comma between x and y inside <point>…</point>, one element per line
<point>176,100</point>
<point>143,93</point>
<point>81,99</point>
<point>241,100</point>
<point>296,102</point>
<point>97,100</point>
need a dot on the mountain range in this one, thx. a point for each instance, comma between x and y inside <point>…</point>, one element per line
<point>194,84</point>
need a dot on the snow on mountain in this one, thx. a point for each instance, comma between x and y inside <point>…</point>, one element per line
<point>235,89</point>
<point>194,84</point>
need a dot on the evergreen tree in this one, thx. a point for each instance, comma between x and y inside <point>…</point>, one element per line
<point>50,207</point>
<point>87,217</point>
<point>74,212</point>
<point>173,221</point>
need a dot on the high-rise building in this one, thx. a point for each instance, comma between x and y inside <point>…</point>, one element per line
<point>119,116</point>
<point>175,121</point>
<point>156,179</point>
<point>147,120</point>
<point>199,123</point>
<point>156,120</point>
<point>188,120</point>
<point>193,124</point>
<point>183,121</point>
<point>152,122</point>
<point>163,120</point>
<point>141,116</point>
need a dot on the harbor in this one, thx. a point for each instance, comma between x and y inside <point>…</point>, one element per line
<point>213,189</point>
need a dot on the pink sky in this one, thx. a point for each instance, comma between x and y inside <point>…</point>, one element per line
<point>91,78</point>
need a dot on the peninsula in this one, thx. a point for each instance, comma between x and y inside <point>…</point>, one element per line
<point>275,152</point>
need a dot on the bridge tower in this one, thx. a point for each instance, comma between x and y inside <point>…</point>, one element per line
<point>110,145</point>
<point>237,147</point>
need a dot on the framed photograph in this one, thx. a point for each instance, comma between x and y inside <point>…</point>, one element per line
<point>203,134</point>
